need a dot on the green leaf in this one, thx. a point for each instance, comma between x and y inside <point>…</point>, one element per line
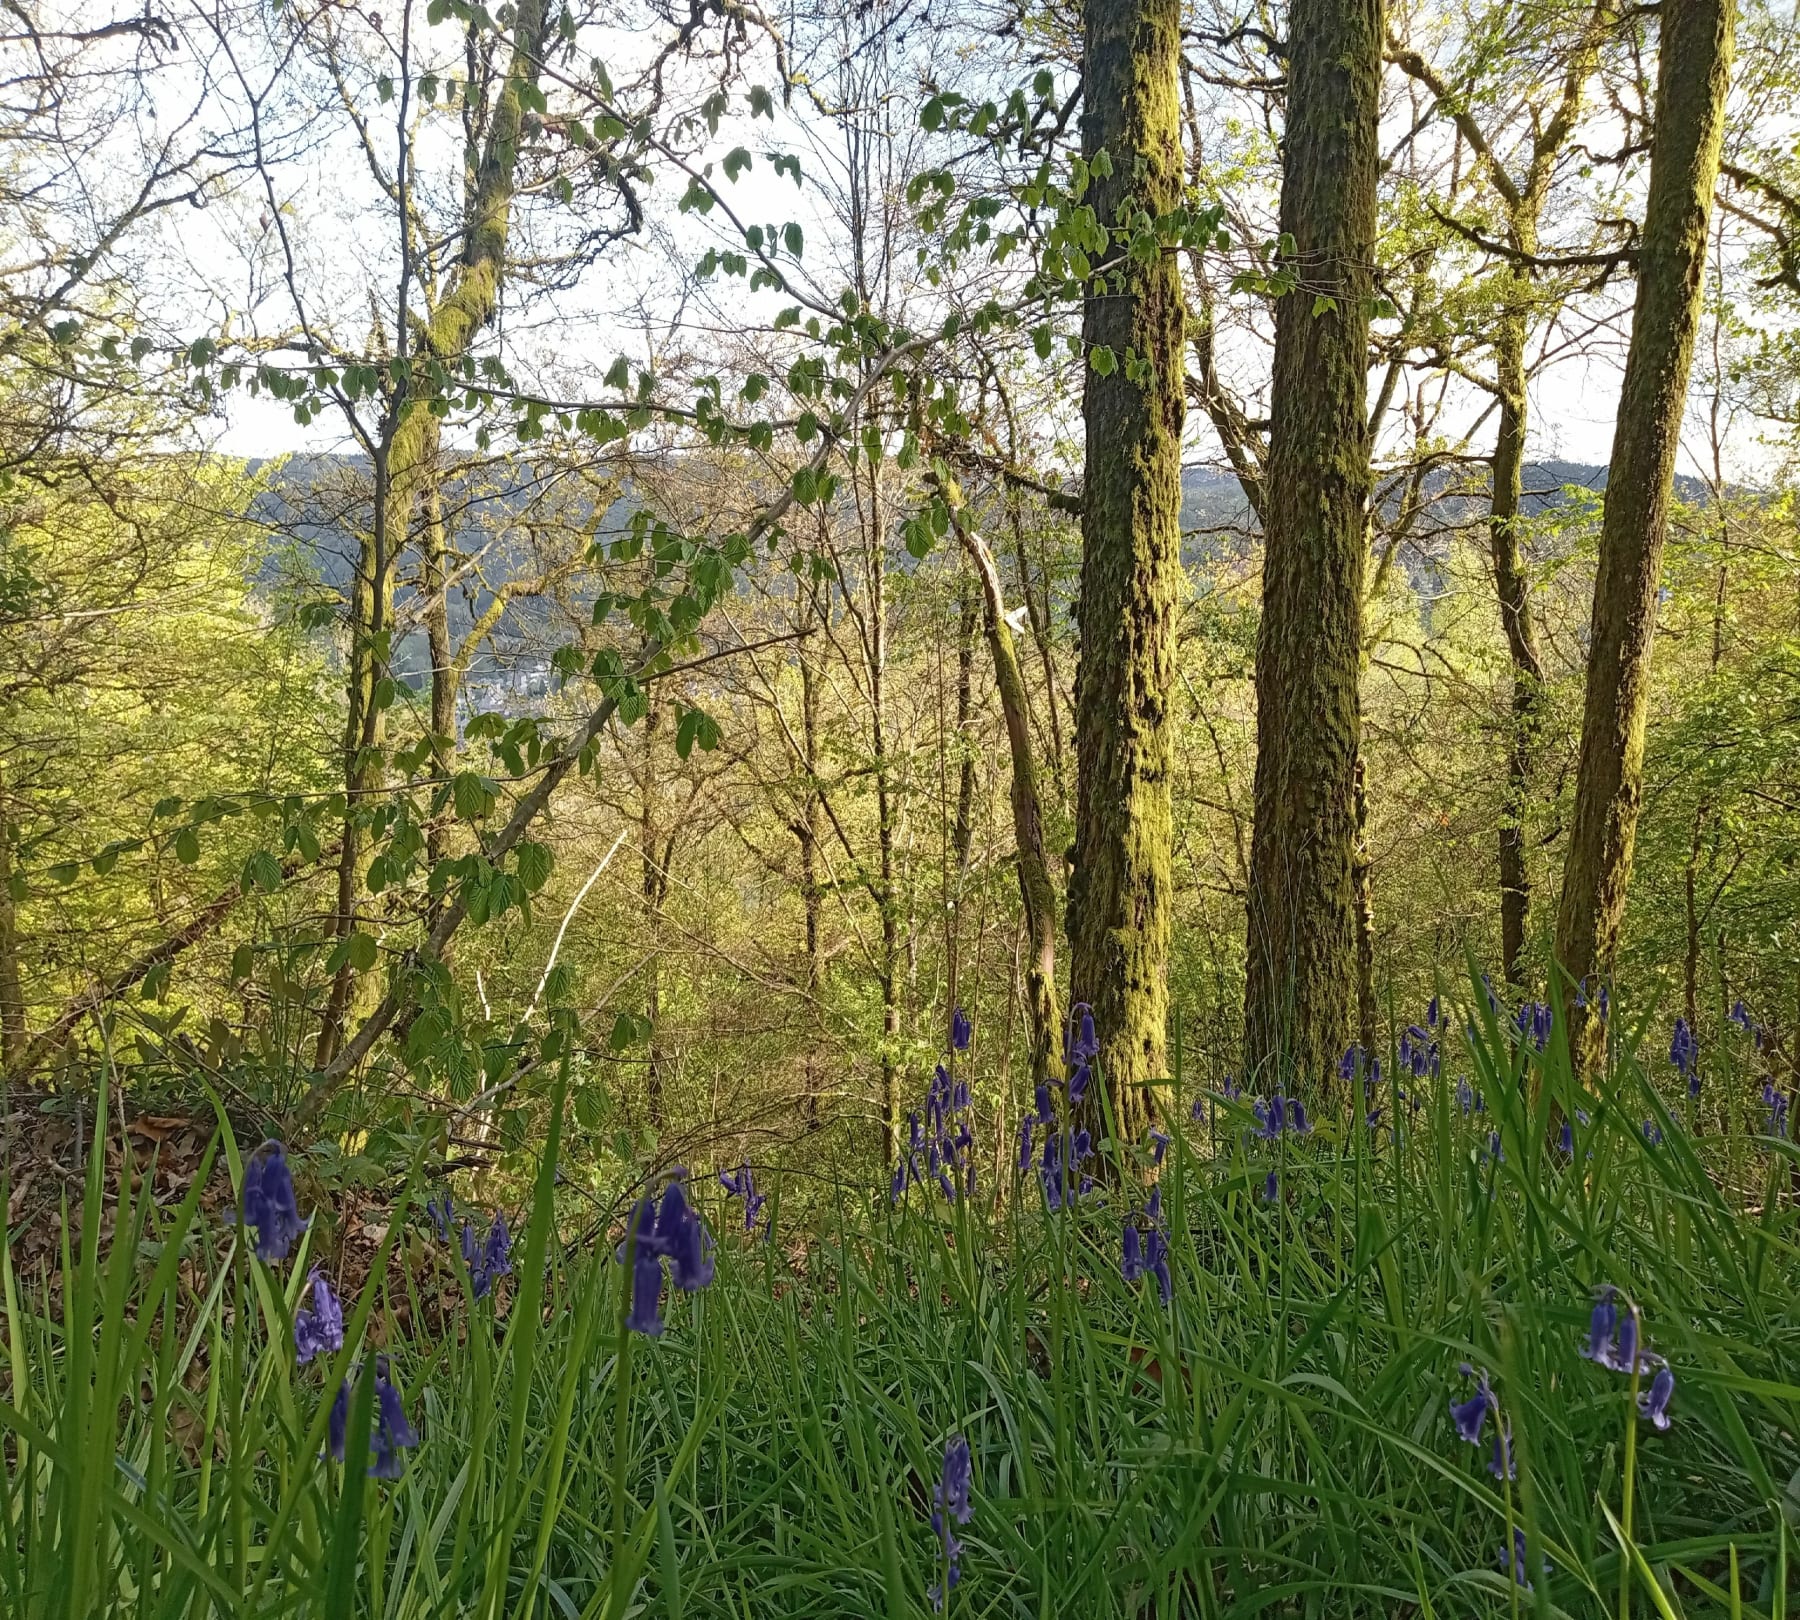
<point>1103,360</point>
<point>737,160</point>
<point>792,239</point>
<point>535,865</point>
<point>187,846</point>
<point>361,952</point>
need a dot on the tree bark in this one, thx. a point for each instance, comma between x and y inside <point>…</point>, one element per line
<point>1036,890</point>
<point>13,1031</point>
<point>1119,900</point>
<point>1693,74</point>
<point>1301,969</point>
<point>405,462</point>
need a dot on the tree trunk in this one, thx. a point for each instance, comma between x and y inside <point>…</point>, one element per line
<point>1036,890</point>
<point>433,569</point>
<point>1301,968</point>
<point>12,995</point>
<point>655,886</point>
<point>1361,866</point>
<point>404,463</point>
<point>1693,73</point>
<point>1513,592</point>
<point>1119,900</point>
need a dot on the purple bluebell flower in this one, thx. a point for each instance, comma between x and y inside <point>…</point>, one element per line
<point>469,1248</point>
<point>1432,1014</point>
<point>319,1329</point>
<point>390,1433</point>
<point>1653,1133</point>
<point>645,1315</point>
<point>1776,1104</point>
<point>1159,1144</point>
<point>1156,1262</point>
<point>950,1504</point>
<point>1740,1015</point>
<point>1197,1111</point>
<point>1470,1416</point>
<point>1565,1138</point>
<point>1084,1044</point>
<point>1347,1063</point>
<point>1602,1325</point>
<point>1025,1126</point>
<point>392,1430</point>
<point>1080,1077</point>
<point>1654,1402</point>
<point>897,1185</point>
<point>1153,1204</point>
<point>682,1236</point>
<point>1496,1151</point>
<point>269,1202</point>
<point>1045,1115</point>
<point>961,1030</point>
<point>1271,1189</point>
<point>1465,1097</point>
<point>442,1214</point>
<point>1131,1257</point>
<point>743,1185</point>
<point>1517,1565</point>
<point>1502,1464</point>
<point>495,1259</point>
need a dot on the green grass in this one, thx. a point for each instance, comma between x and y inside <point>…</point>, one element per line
<point>1275,1442</point>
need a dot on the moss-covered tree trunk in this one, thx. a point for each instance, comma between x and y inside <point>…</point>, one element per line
<point>1513,592</point>
<point>405,463</point>
<point>1301,971</point>
<point>1693,73</point>
<point>1119,895</point>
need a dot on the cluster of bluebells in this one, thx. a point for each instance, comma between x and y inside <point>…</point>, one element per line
<point>269,1205</point>
<point>1231,1091</point>
<point>1684,1054</point>
<point>1776,1104</point>
<point>1565,1136</point>
<point>1535,1021</point>
<point>272,1212</point>
<point>1613,1344</point>
<point>1066,1149</point>
<point>1356,1061</point>
<point>1282,1116</point>
<point>950,1505</point>
<point>389,1433</point>
<point>1599,1002</point>
<point>1513,1561</point>
<point>488,1259</point>
<point>1468,1099</point>
<point>1419,1052</point>
<point>670,1230</point>
<point>1146,1253</point>
<point>940,1146</point>
<point>743,1185</point>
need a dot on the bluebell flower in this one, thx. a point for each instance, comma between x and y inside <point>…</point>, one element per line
<point>269,1202</point>
<point>1602,1325</point>
<point>1653,1133</point>
<point>1431,1014</point>
<point>1501,1464</point>
<point>392,1430</point>
<point>1153,1205</point>
<point>1156,1262</point>
<point>1654,1402</point>
<point>682,1236</point>
<point>1465,1097</point>
<point>1045,1115</point>
<point>1565,1139</point>
<point>1025,1126</point>
<point>1271,1189</point>
<point>1084,1044</point>
<point>1495,1151</point>
<point>898,1184</point>
<point>390,1433</point>
<point>1231,1091</point>
<point>1131,1256</point>
<point>645,1315</point>
<point>1159,1144</point>
<point>1347,1063</point>
<point>1197,1111</point>
<point>1470,1416</point>
<point>442,1215</point>
<point>1516,1565</point>
<point>496,1253</point>
<point>950,1505</point>
<point>468,1244</point>
<point>320,1328</point>
<point>1740,1015</point>
<point>961,1030</point>
<point>1080,1077</point>
<point>1777,1106</point>
<point>743,1185</point>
